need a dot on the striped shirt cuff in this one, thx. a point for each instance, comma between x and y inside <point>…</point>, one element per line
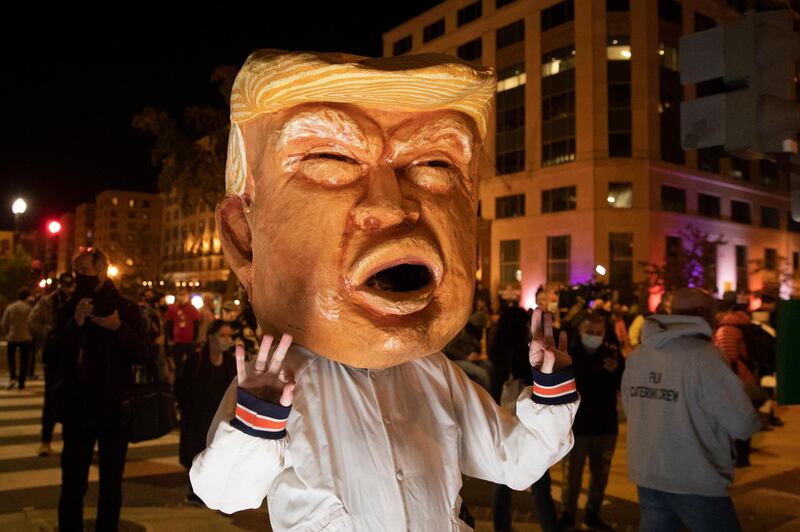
<point>260,418</point>
<point>554,388</point>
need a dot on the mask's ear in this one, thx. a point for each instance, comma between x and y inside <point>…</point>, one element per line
<point>234,233</point>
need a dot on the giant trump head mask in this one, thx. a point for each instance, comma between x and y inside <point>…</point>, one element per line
<point>351,199</point>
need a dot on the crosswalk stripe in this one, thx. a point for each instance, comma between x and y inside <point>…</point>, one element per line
<point>30,413</point>
<point>22,402</point>
<point>26,450</point>
<point>28,429</point>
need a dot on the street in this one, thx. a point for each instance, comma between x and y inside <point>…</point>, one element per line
<point>767,495</point>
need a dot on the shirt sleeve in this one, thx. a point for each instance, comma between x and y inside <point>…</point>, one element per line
<point>236,470</point>
<point>515,451</point>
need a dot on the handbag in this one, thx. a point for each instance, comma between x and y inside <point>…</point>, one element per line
<point>148,405</point>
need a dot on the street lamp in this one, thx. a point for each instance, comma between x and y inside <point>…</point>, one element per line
<point>18,207</point>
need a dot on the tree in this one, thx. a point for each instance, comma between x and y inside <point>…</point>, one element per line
<point>690,263</point>
<point>191,153</point>
<point>14,273</point>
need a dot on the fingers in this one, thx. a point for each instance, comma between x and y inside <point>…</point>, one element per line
<point>562,341</point>
<point>548,362</point>
<point>263,354</point>
<point>280,353</point>
<point>241,368</point>
<point>548,328</point>
<point>287,396</point>
<point>536,323</point>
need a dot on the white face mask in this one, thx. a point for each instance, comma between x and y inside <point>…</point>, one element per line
<point>591,341</point>
<point>222,344</point>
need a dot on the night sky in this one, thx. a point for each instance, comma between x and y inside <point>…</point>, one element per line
<point>70,85</point>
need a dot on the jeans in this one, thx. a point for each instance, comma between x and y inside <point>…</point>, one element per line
<point>660,511</point>
<point>600,450</point>
<point>24,352</point>
<point>75,460</point>
<point>542,503</point>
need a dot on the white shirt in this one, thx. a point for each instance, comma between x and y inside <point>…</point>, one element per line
<point>378,450</point>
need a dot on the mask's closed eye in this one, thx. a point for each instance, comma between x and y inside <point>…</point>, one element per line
<point>330,168</point>
<point>437,175</point>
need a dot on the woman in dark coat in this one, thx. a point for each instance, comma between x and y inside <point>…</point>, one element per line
<point>199,388</point>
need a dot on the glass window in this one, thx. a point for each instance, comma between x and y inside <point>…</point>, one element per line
<point>114,201</point>
<point>470,51</point>
<point>469,13</point>
<point>502,3</point>
<point>559,199</point>
<point>402,46</point>
<point>113,214</point>
<point>431,31</point>
<point>617,5</point>
<point>131,203</point>
<point>670,10</point>
<point>770,258</point>
<point>620,248</point>
<point>620,195</point>
<point>131,215</point>
<point>558,106</point>
<point>558,14</point>
<point>619,97</point>
<point>558,259</point>
<point>673,199</point>
<point>509,206</point>
<point>146,204</point>
<point>796,261</point>
<point>770,217</point>
<point>509,261</point>
<point>708,205</point>
<point>791,224</point>
<point>510,112</point>
<point>513,33</point>
<point>741,269</point>
<point>740,212</point>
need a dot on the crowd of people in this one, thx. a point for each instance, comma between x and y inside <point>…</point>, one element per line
<point>689,378</point>
<point>694,378</point>
<point>88,340</point>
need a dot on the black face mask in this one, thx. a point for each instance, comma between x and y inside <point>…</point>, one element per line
<point>86,284</point>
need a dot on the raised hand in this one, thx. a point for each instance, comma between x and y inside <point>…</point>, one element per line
<point>268,379</point>
<point>543,353</point>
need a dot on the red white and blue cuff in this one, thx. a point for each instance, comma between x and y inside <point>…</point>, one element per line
<point>260,418</point>
<point>554,388</point>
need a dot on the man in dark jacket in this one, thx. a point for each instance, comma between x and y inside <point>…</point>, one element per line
<point>98,335</point>
<point>598,365</point>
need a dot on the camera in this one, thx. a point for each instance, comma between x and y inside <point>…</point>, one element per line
<point>103,307</point>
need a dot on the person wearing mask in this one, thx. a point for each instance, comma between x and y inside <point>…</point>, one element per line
<point>598,364</point>
<point>182,321</point>
<point>509,357</point>
<point>98,336</point>
<point>206,375</point>
<point>683,406</point>
<point>14,326</point>
<point>43,318</point>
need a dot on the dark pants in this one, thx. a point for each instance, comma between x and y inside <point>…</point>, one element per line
<point>75,460</point>
<point>24,352</point>
<point>179,353</point>
<point>542,503</point>
<point>50,407</point>
<point>660,511</point>
<point>599,450</point>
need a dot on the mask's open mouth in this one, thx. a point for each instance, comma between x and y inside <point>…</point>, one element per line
<point>401,278</point>
<point>398,277</point>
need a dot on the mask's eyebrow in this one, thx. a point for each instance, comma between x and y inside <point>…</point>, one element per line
<point>447,134</point>
<point>326,124</point>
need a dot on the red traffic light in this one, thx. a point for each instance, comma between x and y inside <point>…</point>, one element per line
<point>54,226</point>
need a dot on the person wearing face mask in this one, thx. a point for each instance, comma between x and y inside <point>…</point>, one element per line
<point>199,388</point>
<point>98,336</point>
<point>598,366</point>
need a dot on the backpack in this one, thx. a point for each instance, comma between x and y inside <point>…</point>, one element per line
<point>761,348</point>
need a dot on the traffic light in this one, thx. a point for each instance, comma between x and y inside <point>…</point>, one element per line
<point>756,58</point>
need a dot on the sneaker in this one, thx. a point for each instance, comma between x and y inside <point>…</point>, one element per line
<point>45,450</point>
<point>592,520</point>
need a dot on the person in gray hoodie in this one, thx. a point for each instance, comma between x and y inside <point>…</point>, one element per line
<point>684,405</point>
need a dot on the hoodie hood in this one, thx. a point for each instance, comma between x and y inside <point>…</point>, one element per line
<point>659,329</point>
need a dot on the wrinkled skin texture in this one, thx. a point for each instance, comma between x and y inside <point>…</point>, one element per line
<point>338,193</point>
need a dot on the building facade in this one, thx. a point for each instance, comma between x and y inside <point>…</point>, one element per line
<point>589,169</point>
<point>127,227</point>
<point>191,251</point>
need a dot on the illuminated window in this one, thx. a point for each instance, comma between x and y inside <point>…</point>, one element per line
<point>559,199</point>
<point>509,206</point>
<point>620,195</point>
<point>115,201</point>
<point>432,31</point>
<point>131,203</point>
<point>469,13</point>
<point>558,259</point>
<point>770,217</point>
<point>509,261</point>
<point>402,46</point>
